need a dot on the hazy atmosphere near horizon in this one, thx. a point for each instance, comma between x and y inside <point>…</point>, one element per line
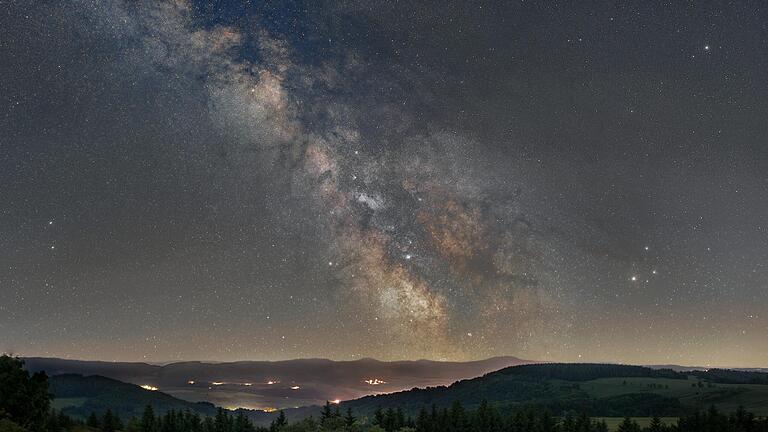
<point>245,180</point>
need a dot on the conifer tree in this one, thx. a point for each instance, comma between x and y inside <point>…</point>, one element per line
<point>110,422</point>
<point>221,422</point>
<point>326,413</point>
<point>148,419</point>
<point>655,425</point>
<point>628,425</point>
<point>423,422</point>
<point>93,421</point>
<point>378,417</point>
<point>279,422</point>
<point>349,419</point>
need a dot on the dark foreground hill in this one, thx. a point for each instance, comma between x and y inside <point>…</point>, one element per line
<point>596,389</point>
<point>79,396</point>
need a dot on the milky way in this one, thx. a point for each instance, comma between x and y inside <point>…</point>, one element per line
<point>345,180</point>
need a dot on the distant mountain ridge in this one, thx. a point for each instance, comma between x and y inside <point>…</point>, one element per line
<point>682,368</point>
<point>277,384</point>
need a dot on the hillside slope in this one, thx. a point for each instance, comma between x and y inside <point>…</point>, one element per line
<point>279,384</point>
<point>79,395</point>
<point>598,389</point>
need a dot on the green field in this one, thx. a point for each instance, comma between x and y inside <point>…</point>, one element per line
<point>60,403</point>
<point>727,397</point>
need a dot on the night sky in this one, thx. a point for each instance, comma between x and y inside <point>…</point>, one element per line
<point>570,181</point>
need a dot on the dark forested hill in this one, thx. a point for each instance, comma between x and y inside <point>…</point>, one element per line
<point>597,389</point>
<point>727,376</point>
<point>588,371</point>
<point>79,396</point>
<point>594,389</point>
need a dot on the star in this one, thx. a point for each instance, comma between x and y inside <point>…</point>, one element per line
<point>536,212</point>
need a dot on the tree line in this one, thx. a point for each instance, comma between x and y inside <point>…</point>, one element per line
<point>25,406</point>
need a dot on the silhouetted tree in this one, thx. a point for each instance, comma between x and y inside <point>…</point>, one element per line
<point>378,417</point>
<point>327,413</point>
<point>279,422</point>
<point>656,425</point>
<point>628,425</point>
<point>110,422</point>
<point>24,399</point>
<point>349,419</point>
<point>148,419</point>
<point>93,421</point>
<point>221,421</point>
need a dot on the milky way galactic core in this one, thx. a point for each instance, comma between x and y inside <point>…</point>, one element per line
<point>247,180</point>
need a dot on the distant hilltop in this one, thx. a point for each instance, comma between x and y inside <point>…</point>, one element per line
<point>278,384</point>
<point>599,390</point>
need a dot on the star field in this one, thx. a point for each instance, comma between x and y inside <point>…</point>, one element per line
<point>248,180</point>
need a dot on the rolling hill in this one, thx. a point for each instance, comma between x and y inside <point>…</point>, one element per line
<point>280,384</point>
<point>79,396</point>
<point>597,389</point>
